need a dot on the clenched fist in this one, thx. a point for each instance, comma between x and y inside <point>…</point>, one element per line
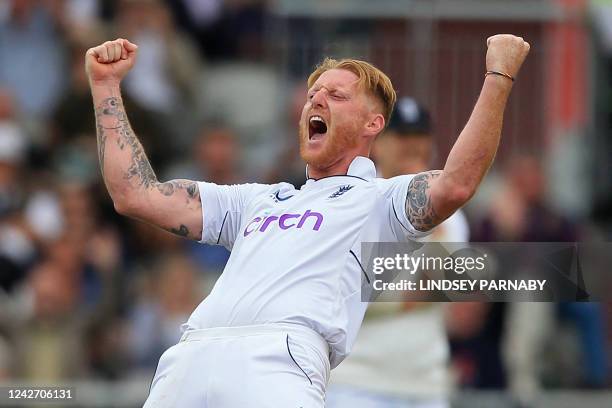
<point>111,61</point>
<point>506,53</point>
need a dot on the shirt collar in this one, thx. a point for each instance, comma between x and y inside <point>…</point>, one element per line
<point>361,167</point>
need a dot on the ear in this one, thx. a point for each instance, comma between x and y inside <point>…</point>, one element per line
<point>375,125</point>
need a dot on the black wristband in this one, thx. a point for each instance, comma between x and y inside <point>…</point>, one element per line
<point>510,77</point>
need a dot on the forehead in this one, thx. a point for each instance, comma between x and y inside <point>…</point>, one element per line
<point>337,78</point>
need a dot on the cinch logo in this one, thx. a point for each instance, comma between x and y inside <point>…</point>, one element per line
<point>286,221</point>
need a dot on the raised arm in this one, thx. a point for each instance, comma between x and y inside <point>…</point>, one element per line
<point>174,205</point>
<point>435,195</point>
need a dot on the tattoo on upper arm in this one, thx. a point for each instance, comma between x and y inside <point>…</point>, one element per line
<point>419,207</point>
<point>190,193</point>
<point>182,231</point>
<point>170,187</point>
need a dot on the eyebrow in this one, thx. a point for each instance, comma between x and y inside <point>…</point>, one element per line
<point>331,88</point>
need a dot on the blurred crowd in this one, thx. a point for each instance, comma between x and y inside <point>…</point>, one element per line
<point>87,294</point>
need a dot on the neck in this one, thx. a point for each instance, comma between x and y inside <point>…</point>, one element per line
<point>338,168</point>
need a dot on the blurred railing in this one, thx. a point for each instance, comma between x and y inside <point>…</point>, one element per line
<point>525,10</point>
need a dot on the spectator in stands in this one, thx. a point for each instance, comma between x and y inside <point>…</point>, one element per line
<point>17,249</point>
<point>216,158</point>
<point>520,213</point>
<point>29,34</point>
<point>49,343</point>
<point>224,29</point>
<point>164,301</point>
<point>168,65</point>
<point>217,155</point>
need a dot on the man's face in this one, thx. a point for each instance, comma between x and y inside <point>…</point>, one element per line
<point>333,119</point>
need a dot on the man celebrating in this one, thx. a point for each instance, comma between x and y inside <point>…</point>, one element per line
<point>288,305</point>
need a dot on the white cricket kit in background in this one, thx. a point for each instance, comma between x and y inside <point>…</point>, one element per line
<point>288,304</point>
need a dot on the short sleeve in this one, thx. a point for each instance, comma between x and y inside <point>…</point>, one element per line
<point>223,207</point>
<point>395,191</point>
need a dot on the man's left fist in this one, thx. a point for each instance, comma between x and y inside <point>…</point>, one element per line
<point>506,53</point>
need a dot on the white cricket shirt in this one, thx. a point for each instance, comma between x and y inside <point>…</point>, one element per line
<point>295,253</point>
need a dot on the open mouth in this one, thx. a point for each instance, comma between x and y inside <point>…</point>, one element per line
<point>317,128</point>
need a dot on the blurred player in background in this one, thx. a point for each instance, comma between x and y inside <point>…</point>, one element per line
<point>401,356</point>
<point>288,306</point>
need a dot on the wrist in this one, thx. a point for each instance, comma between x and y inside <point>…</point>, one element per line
<point>106,83</point>
<point>499,81</point>
<point>504,74</point>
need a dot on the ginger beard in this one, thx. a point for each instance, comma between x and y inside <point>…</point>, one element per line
<point>335,142</point>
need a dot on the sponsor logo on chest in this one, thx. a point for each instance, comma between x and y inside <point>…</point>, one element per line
<point>310,220</point>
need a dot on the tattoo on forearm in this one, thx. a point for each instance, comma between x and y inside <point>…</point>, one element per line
<point>112,121</point>
<point>419,207</point>
<point>107,115</point>
<point>110,115</point>
<point>101,136</point>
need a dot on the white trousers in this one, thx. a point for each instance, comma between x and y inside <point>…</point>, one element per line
<point>275,365</point>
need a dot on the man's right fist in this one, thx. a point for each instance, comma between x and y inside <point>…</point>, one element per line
<point>111,61</point>
<point>506,53</point>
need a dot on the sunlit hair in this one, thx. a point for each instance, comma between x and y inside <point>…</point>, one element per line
<point>372,79</point>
